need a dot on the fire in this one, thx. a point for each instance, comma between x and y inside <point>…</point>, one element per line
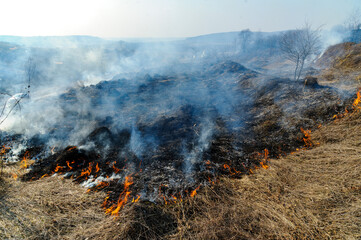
<point>355,106</point>
<point>356,102</point>
<point>14,175</point>
<point>232,171</point>
<point>3,150</point>
<point>136,200</point>
<point>97,168</point>
<point>58,168</point>
<point>45,175</point>
<point>115,169</point>
<point>307,138</point>
<point>24,162</point>
<point>70,167</point>
<point>72,148</point>
<point>212,182</point>
<point>87,171</point>
<point>264,165</point>
<point>266,153</point>
<point>194,192</point>
<point>100,186</point>
<point>160,193</point>
<point>123,198</point>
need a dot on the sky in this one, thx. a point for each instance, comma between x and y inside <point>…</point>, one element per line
<point>165,18</point>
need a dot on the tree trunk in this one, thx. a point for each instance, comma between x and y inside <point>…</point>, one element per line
<point>296,69</point>
<point>301,68</point>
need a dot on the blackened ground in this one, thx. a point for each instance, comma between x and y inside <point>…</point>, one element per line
<point>191,141</point>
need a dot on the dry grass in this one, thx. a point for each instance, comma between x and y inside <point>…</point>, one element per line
<point>50,208</point>
<point>311,194</point>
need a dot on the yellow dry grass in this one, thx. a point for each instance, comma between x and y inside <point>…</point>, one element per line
<point>311,194</point>
<point>50,208</point>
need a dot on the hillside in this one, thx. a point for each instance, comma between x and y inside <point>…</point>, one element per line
<point>341,64</point>
<point>310,193</point>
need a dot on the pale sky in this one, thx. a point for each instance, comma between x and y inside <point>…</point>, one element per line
<point>165,18</point>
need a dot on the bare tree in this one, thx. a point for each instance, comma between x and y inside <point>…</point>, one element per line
<point>9,106</point>
<point>244,37</point>
<point>300,45</point>
<point>13,101</point>
<point>30,73</point>
<point>353,26</point>
<point>353,22</point>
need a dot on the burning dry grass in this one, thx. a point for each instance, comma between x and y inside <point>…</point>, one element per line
<point>313,194</point>
<point>310,194</point>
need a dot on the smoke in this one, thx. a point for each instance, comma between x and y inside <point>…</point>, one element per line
<point>174,95</point>
<point>335,35</point>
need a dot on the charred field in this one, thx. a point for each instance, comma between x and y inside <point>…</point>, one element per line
<point>208,152</point>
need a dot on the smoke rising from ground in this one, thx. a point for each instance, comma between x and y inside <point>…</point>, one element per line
<point>150,83</point>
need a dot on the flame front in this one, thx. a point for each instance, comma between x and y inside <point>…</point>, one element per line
<point>24,161</point>
<point>357,101</point>
<point>307,138</point>
<point>123,198</point>
<point>194,192</point>
<point>355,107</point>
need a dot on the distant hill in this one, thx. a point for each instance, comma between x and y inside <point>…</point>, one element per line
<point>53,41</point>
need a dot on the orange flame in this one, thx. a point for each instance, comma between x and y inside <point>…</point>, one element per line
<point>87,171</point>
<point>70,167</point>
<point>58,168</point>
<point>212,181</point>
<point>357,100</point>
<point>355,106</point>
<point>136,200</point>
<point>232,171</point>
<point>263,165</point>
<point>194,192</point>
<point>100,186</point>
<point>24,162</point>
<point>3,150</point>
<point>266,153</point>
<point>160,193</point>
<point>307,138</point>
<point>123,198</point>
<point>15,176</point>
<point>71,148</point>
<point>115,169</point>
<point>45,175</point>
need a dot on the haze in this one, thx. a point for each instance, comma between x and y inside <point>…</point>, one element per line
<point>165,18</point>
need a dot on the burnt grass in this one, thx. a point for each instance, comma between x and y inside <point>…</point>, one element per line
<point>178,153</point>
